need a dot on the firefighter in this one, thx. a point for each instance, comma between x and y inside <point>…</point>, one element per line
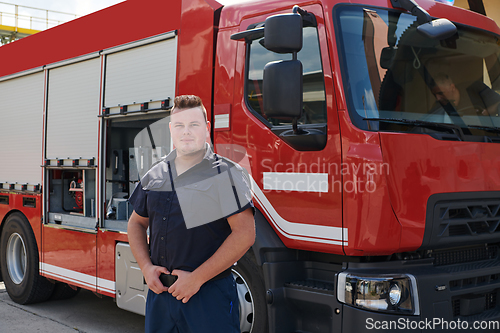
<point>481,99</point>
<point>199,292</point>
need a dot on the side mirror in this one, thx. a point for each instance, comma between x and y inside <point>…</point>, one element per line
<point>437,29</point>
<point>283,33</point>
<point>282,89</point>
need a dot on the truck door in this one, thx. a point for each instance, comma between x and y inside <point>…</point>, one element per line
<point>296,179</point>
<point>70,151</point>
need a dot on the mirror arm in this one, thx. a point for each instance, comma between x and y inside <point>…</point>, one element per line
<point>414,9</point>
<point>295,126</point>
<point>308,19</point>
<point>249,35</point>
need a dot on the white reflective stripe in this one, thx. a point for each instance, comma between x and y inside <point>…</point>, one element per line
<point>221,120</point>
<point>106,285</point>
<point>76,277</point>
<point>299,231</point>
<point>292,181</point>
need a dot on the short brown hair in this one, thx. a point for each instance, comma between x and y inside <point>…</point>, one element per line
<point>188,102</point>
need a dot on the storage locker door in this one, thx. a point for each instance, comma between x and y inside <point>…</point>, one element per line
<point>21,114</point>
<point>142,74</point>
<point>72,110</point>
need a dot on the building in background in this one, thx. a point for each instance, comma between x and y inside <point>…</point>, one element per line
<point>490,8</point>
<point>17,21</point>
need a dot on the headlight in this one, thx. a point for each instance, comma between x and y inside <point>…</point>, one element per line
<point>395,294</point>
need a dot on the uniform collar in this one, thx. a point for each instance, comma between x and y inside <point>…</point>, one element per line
<point>209,154</point>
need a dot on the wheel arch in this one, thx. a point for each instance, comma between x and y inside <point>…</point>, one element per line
<point>267,243</point>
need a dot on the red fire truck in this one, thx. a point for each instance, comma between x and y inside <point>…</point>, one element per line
<point>370,129</point>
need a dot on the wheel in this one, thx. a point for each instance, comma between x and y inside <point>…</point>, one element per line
<point>251,295</point>
<point>19,262</point>
<point>63,291</point>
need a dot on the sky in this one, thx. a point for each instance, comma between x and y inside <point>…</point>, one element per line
<point>78,7</point>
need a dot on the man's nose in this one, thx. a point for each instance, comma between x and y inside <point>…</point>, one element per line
<point>442,99</point>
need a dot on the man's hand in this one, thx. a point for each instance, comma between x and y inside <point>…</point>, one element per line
<point>152,276</point>
<point>186,286</point>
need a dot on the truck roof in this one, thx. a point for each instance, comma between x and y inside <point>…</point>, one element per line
<point>116,25</point>
<point>236,10</point>
<point>132,20</point>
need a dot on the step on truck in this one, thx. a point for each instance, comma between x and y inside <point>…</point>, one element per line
<point>370,129</point>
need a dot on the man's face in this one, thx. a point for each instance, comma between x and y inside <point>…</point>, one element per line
<point>189,130</point>
<point>444,93</point>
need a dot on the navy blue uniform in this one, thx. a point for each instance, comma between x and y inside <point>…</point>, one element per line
<point>175,246</point>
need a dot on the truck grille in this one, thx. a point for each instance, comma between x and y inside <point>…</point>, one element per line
<point>474,282</point>
<point>458,219</point>
<point>474,254</point>
<point>469,305</point>
<point>469,220</point>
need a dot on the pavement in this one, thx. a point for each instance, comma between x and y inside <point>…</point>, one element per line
<point>84,313</point>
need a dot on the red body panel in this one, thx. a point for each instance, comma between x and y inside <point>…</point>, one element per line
<point>433,166</point>
<point>70,256</point>
<point>373,228</point>
<point>106,243</point>
<point>195,51</point>
<point>292,214</point>
<point>32,213</point>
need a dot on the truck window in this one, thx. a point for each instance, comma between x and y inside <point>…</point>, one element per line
<point>405,82</point>
<point>314,87</point>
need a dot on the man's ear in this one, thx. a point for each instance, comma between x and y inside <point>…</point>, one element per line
<point>208,132</point>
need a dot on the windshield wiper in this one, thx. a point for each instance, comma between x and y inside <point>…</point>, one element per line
<point>455,129</point>
<point>486,128</point>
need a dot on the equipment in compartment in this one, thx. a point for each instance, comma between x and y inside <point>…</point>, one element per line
<point>119,167</point>
<point>76,190</point>
<point>142,159</point>
<point>118,207</point>
<point>72,192</point>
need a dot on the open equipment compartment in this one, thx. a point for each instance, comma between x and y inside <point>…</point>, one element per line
<point>133,144</point>
<point>71,194</point>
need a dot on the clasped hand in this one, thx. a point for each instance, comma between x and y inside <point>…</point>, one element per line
<point>183,289</point>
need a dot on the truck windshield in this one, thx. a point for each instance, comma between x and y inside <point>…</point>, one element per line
<point>396,79</point>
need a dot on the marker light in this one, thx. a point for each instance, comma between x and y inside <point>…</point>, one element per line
<point>448,2</point>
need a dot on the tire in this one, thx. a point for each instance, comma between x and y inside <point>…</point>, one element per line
<point>63,291</point>
<point>251,295</point>
<point>20,264</point>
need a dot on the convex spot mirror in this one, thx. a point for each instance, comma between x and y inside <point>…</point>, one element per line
<point>438,29</point>
<point>283,33</point>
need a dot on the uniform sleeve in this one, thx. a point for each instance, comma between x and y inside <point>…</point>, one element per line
<point>241,189</point>
<point>138,199</point>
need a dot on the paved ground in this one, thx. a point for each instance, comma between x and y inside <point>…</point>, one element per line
<point>83,313</point>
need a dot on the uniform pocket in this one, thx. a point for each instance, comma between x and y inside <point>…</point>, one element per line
<point>199,202</point>
<point>227,287</point>
<point>157,202</point>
